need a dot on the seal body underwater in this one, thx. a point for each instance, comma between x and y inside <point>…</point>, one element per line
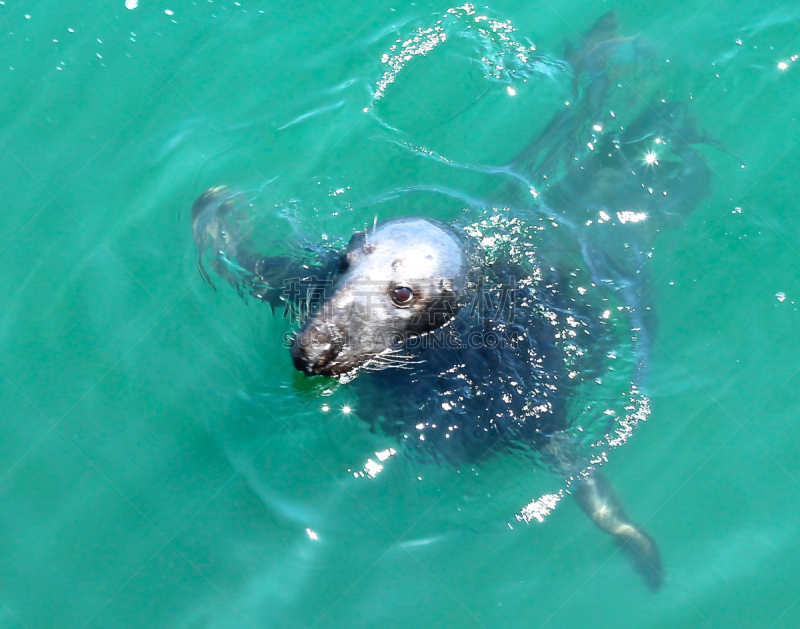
<point>469,371</point>
<point>462,353</point>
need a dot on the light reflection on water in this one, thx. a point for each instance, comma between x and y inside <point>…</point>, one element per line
<point>190,459</point>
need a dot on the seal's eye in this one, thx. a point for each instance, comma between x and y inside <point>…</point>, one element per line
<point>402,295</point>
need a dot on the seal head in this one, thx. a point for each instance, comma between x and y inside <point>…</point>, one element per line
<point>402,278</point>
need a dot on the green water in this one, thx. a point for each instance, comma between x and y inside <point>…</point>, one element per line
<point>163,465</point>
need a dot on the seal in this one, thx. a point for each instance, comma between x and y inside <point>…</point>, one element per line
<point>462,348</point>
<point>415,307</point>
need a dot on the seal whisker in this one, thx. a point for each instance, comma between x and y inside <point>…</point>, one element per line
<point>379,366</point>
<point>401,359</point>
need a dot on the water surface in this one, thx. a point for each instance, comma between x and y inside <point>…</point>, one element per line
<point>162,463</point>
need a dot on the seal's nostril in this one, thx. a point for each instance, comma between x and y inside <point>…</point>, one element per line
<point>299,360</point>
<point>314,349</point>
<point>299,357</point>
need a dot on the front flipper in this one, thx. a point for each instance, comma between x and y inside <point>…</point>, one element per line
<point>600,502</point>
<point>295,278</point>
<point>214,225</point>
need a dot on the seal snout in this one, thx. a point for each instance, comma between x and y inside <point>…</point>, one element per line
<point>315,348</point>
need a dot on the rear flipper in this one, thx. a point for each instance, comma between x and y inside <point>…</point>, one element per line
<point>596,496</point>
<point>600,502</point>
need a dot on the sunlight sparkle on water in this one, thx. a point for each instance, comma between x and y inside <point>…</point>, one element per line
<point>783,65</point>
<point>651,158</point>
<point>540,508</point>
<point>385,454</point>
<point>346,409</point>
<point>627,216</point>
<point>511,91</point>
<point>372,468</point>
<point>312,535</point>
